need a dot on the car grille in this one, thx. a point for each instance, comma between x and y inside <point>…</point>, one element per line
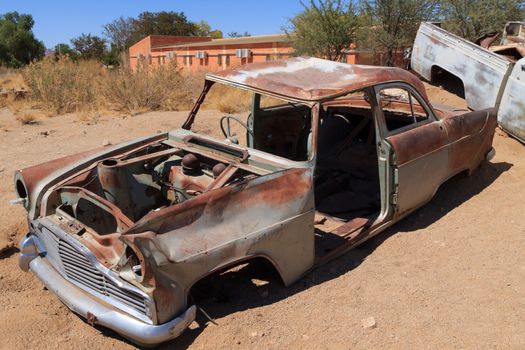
<point>79,270</point>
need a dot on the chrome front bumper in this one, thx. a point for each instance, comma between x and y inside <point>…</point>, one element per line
<point>96,311</point>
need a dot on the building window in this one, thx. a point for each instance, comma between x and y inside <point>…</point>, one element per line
<point>219,60</point>
<point>227,60</point>
<point>188,60</point>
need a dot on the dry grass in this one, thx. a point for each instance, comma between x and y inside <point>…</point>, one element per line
<point>88,117</point>
<point>228,99</point>
<point>13,103</point>
<point>26,119</point>
<point>65,86</point>
<point>164,88</point>
<point>12,81</point>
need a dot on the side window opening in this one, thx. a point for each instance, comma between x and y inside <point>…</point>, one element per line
<point>401,108</point>
<point>347,182</point>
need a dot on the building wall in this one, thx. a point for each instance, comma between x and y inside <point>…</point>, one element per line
<point>156,50</point>
<point>144,50</point>
<point>221,57</point>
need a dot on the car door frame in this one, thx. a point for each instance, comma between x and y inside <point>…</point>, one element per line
<point>416,156</point>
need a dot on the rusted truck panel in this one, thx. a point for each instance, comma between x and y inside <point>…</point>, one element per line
<point>491,78</point>
<point>122,234</point>
<point>511,112</point>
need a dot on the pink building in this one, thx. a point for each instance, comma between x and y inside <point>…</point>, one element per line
<point>196,53</point>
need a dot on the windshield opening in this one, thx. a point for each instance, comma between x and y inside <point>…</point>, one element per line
<point>253,120</point>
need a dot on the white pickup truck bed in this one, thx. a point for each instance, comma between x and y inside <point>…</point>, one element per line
<point>489,80</point>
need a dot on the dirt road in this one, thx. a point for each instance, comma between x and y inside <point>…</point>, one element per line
<point>452,275</point>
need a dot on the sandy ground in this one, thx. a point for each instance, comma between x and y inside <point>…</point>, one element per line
<point>452,275</point>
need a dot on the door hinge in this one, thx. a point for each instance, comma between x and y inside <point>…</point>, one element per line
<point>394,198</point>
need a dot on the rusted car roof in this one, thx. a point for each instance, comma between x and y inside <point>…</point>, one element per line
<point>311,79</point>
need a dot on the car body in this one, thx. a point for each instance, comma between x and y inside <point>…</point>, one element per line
<point>489,77</point>
<point>123,232</point>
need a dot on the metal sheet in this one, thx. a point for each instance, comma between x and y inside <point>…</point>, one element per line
<point>480,70</point>
<point>311,79</point>
<point>511,114</point>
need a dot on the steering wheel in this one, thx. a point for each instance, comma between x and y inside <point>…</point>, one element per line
<point>227,131</point>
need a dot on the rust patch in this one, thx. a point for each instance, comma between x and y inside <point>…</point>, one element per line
<point>313,79</point>
<point>417,142</point>
<point>35,173</point>
<point>282,188</point>
<point>91,319</point>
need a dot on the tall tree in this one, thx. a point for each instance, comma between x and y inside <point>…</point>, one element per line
<point>473,18</point>
<point>164,23</point>
<point>124,32</point>
<point>324,28</point>
<point>391,25</point>
<point>18,45</point>
<point>121,33</point>
<point>89,46</point>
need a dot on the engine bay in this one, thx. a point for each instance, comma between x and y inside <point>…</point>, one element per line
<point>115,193</point>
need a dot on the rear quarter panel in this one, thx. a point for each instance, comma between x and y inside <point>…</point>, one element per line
<point>470,137</point>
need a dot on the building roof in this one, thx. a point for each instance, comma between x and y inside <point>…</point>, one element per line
<point>256,39</point>
<point>311,79</point>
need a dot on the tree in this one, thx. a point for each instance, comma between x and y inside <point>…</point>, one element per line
<point>238,35</point>
<point>391,25</point>
<point>324,29</point>
<point>204,29</point>
<point>216,34</point>
<point>89,46</point>
<point>124,32</point>
<point>164,23</point>
<point>64,50</point>
<point>111,56</point>
<point>121,33</point>
<point>471,19</point>
<point>18,45</point>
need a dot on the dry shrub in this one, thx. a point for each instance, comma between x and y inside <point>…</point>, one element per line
<point>12,81</point>
<point>165,87</point>
<point>26,119</point>
<point>182,91</point>
<point>12,91</point>
<point>13,103</point>
<point>64,86</point>
<point>228,99</point>
<point>88,117</point>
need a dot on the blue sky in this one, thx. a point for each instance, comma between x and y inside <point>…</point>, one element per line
<point>60,20</point>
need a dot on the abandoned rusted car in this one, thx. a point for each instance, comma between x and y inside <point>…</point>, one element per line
<point>332,154</point>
